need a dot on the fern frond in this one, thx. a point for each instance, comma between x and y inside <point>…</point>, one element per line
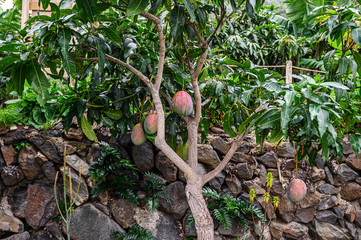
<point>211,193</point>
<point>223,217</point>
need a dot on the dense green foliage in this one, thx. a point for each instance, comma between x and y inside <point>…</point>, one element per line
<point>134,233</point>
<point>112,172</point>
<point>153,189</point>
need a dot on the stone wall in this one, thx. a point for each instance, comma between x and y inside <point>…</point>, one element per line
<point>330,210</point>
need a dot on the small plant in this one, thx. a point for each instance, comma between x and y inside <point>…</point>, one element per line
<point>134,233</point>
<point>65,206</point>
<point>226,207</point>
<point>9,116</point>
<point>112,172</point>
<point>267,196</point>
<point>153,189</point>
<point>62,209</point>
<point>20,145</point>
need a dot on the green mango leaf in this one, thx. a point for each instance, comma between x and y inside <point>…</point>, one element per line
<point>285,118</point>
<point>228,123</point>
<point>64,37</point>
<point>356,36</point>
<point>289,97</point>
<point>68,63</point>
<point>190,9</point>
<point>311,96</point>
<point>151,137</point>
<point>307,119</point>
<point>342,66</point>
<point>64,4</point>
<point>101,56</point>
<point>250,119</point>
<point>39,82</point>
<point>45,3</point>
<point>276,135</point>
<point>322,119</point>
<point>177,70</point>
<point>87,129</point>
<point>112,35</point>
<point>154,6</point>
<point>116,115</point>
<point>176,20</point>
<point>335,85</point>
<point>325,149</point>
<point>88,9</point>
<point>271,121</point>
<point>18,78</point>
<point>12,47</point>
<point>136,6</point>
<point>355,141</point>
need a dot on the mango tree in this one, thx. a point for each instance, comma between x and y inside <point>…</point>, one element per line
<point>113,46</point>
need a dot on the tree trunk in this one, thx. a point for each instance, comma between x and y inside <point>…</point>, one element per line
<point>203,220</point>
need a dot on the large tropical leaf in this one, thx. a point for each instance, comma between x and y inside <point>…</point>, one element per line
<point>39,82</point>
<point>176,20</point>
<point>87,129</point>
<point>136,6</point>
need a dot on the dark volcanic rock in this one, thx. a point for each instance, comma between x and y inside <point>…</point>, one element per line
<point>8,154</point>
<point>11,175</point>
<point>327,203</point>
<point>47,148</point>
<point>89,223</point>
<point>40,205</point>
<point>166,167</point>
<point>269,159</point>
<point>143,156</point>
<point>208,156</point>
<point>351,191</point>
<point>286,150</point>
<point>244,171</point>
<point>16,136</point>
<point>327,231</point>
<point>326,216</point>
<point>327,189</point>
<point>178,204</point>
<point>123,211</point>
<point>20,236</point>
<point>28,165</point>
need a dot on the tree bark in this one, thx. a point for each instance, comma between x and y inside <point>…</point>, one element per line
<point>203,219</point>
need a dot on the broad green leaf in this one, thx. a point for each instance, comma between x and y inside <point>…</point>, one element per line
<point>289,97</point>
<point>276,135</point>
<point>68,63</point>
<point>177,70</point>
<point>331,129</point>
<point>6,62</point>
<point>190,9</point>
<point>356,36</point>
<point>87,129</point>
<point>107,122</point>
<point>19,78</point>
<point>65,4</point>
<point>45,3</point>
<point>101,56</point>
<point>242,127</point>
<point>357,58</point>
<point>150,137</point>
<point>40,83</point>
<point>116,115</point>
<point>12,47</point>
<point>322,120</point>
<point>271,121</point>
<point>285,118</point>
<point>88,9</point>
<point>355,141</point>
<point>112,35</point>
<point>201,17</point>
<point>307,119</point>
<point>154,6</point>
<point>228,124</point>
<point>325,149</point>
<point>342,66</point>
<point>311,96</point>
<point>64,37</point>
<point>272,87</point>
<point>335,85</point>
<point>176,20</point>
<point>136,6</point>
<point>314,111</point>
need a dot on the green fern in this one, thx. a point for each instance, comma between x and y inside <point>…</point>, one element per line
<point>226,207</point>
<point>223,217</point>
<point>112,172</point>
<point>134,233</point>
<point>153,189</point>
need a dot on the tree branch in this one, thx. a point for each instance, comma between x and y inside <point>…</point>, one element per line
<point>209,176</point>
<point>158,24</point>
<point>193,25</point>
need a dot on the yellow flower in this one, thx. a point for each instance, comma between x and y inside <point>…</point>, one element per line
<point>266,197</point>
<point>276,201</point>
<point>269,180</point>
<point>252,195</point>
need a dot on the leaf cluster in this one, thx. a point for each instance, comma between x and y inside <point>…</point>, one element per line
<point>112,172</point>
<point>226,207</point>
<point>153,189</point>
<point>134,233</point>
